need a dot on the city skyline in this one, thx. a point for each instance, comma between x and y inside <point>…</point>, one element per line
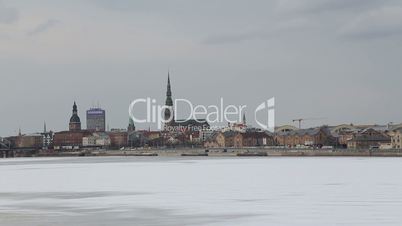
<point>200,112</point>
<point>330,59</point>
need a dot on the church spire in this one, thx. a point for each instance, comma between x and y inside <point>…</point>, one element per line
<point>169,115</point>
<point>44,127</point>
<point>169,101</point>
<point>75,108</point>
<point>131,126</point>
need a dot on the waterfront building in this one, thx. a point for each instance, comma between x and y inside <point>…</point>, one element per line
<point>67,140</point>
<point>118,138</point>
<point>96,119</point>
<point>344,133</point>
<point>369,138</point>
<point>313,137</point>
<point>350,135</point>
<point>89,141</point>
<point>136,139</point>
<point>206,134</point>
<point>249,138</point>
<point>98,139</point>
<point>229,138</point>
<point>256,139</point>
<point>26,141</point>
<point>153,138</point>
<point>217,140</point>
<point>47,137</point>
<point>396,139</point>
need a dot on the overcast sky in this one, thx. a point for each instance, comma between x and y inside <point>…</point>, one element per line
<point>334,59</point>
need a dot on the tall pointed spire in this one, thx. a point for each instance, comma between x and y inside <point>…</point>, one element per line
<point>169,91</point>
<point>169,115</point>
<point>75,108</point>
<point>131,126</point>
<point>44,127</point>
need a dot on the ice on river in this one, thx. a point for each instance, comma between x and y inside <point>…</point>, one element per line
<point>201,191</point>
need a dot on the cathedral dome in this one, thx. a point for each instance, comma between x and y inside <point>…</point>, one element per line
<point>75,119</point>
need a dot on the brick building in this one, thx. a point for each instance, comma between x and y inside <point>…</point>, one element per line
<point>313,137</point>
<point>118,138</point>
<point>216,140</point>
<point>32,141</point>
<point>236,139</point>
<point>257,138</point>
<point>69,139</point>
<point>396,139</point>
<point>369,138</point>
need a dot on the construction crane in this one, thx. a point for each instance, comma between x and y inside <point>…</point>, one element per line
<point>305,119</point>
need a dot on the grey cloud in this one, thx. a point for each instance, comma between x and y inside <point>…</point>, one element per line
<point>319,6</point>
<point>360,19</point>
<point>203,10</point>
<point>7,15</point>
<point>123,5</point>
<point>43,27</point>
<point>274,29</point>
<point>139,5</point>
<point>249,51</point>
<point>235,38</point>
<point>383,22</point>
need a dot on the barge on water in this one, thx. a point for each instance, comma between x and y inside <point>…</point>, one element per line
<point>194,154</point>
<point>250,154</point>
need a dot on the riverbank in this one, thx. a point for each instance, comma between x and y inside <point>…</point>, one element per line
<point>232,152</point>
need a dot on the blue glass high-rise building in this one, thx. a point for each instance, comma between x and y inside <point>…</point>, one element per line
<point>96,119</point>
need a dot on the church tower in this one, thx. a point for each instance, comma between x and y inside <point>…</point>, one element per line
<point>75,122</point>
<point>169,114</point>
<point>131,126</point>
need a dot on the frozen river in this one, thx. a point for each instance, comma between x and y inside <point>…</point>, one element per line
<point>201,191</point>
